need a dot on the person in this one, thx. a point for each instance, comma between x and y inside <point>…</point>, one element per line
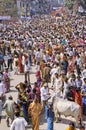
<point>49,116</point>
<point>20,66</point>
<point>58,84</point>
<point>6,77</point>
<point>84,72</point>
<point>0,108</point>
<point>71,65</point>
<point>52,74</point>
<point>42,66</point>
<point>70,94</point>
<point>9,60</point>
<point>78,64</point>
<point>81,128</point>
<point>35,111</point>
<point>15,65</point>
<point>26,71</point>
<point>9,106</point>
<point>2,92</point>
<point>20,87</point>
<point>46,74</point>
<point>64,65</point>
<point>39,81</point>
<point>45,95</point>
<point>30,58</point>
<point>83,93</point>
<point>71,126</point>
<point>18,106</point>
<point>1,88</point>
<point>78,100</point>
<point>65,88</point>
<point>1,61</point>
<point>72,80</point>
<point>37,91</point>
<point>78,82</point>
<point>19,123</point>
<point>38,55</point>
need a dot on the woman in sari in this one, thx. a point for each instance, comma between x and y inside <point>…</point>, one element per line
<point>20,65</point>
<point>83,93</point>
<point>6,76</point>
<point>35,111</point>
<point>78,100</point>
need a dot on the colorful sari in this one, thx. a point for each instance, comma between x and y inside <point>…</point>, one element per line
<point>21,69</point>
<point>6,82</point>
<point>35,114</point>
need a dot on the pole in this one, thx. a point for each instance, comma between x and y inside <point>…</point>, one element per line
<point>26,10</point>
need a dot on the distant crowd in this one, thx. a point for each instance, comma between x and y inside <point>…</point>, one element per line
<point>57,50</point>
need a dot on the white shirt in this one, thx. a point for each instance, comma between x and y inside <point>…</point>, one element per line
<point>1,88</point>
<point>18,124</point>
<point>78,60</point>
<point>0,107</point>
<point>38,54</point>
<point>53,71</point>
<point>58,86</point>
<point>45,58</point>
<point>84,73</point>
<point>44,93</point>
<point>9,56</point>
<point>26,68</point>
<point>66,87</point>
<point>23,60</point>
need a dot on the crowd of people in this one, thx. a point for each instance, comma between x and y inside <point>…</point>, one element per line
<point>57,49</point>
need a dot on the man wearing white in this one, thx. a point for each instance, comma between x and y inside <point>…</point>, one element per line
<point>58,85</point>
<point>55,69</point>
<point>19,123</point>
<point>26,71</point>
<point>45,95</point>
<point>84,73</point>
<point>1,88</point>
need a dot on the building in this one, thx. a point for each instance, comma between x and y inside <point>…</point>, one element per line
<point>26,7</point>
<point>8,8</point>
<point>23,7</point>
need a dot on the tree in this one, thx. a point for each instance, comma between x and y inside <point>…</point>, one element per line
<point>83,3</point>
<point>43,6</point>
<point>71,3</point>
<point>8,7</point>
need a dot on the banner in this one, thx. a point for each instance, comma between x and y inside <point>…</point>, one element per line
<point>5,17</point>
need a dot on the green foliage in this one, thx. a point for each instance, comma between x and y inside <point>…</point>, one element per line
<point>70,3</point>
<point>8,7</point>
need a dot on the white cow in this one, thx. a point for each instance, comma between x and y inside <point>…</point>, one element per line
<point>66,108</point>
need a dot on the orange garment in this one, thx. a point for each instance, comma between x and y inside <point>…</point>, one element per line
<point>78,98</point>
<point>35,114</point>
<point>71,66</point>
<point>42,65</point>
<point>50,51</point>
<point>21,69</point>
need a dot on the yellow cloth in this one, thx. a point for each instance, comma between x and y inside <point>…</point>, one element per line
<point>21,112</point>
<point>69,128</point>
<point>35,114</point>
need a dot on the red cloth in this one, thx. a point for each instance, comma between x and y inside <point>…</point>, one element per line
<point>38,74</point>
<point>21,69</point>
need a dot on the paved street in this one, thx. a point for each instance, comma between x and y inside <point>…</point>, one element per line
<point>43,125</point>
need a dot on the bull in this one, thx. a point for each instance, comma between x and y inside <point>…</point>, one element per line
<point>66,108</point>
